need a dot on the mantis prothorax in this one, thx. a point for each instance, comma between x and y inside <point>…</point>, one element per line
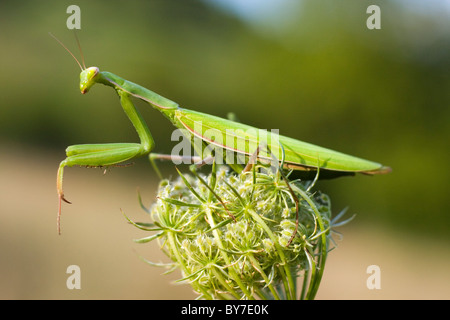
<point>298,156</point>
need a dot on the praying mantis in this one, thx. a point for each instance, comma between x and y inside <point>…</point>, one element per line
<point>222,134</point>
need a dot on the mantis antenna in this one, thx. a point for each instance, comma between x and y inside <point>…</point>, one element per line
<point>69,50</point>
<point>79,47</point>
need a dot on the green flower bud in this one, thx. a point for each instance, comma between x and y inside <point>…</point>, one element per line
<point>240,235</point>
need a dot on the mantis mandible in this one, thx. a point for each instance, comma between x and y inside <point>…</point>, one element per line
<point>298,156</point>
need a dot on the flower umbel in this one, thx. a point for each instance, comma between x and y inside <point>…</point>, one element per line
<point>231,234</point>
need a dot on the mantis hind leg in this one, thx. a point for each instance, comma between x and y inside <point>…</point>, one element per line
<point>95,155</point>
<point>176,159</point>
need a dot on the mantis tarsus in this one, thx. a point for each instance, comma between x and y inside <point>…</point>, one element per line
<point>297,155</point>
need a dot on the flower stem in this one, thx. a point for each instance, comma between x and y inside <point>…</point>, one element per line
<point>225,257</point>
<point>290,292</point>
<point>258,268</point>
<point>174,248</point>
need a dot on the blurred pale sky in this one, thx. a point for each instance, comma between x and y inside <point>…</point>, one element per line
<point>254,10</point>
<point>271,18</point>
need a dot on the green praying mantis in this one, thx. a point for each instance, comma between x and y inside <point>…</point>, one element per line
<point>223,134</point>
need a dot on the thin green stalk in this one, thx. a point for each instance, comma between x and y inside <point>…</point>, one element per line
<point>272,237</point>
<point>219,277</point>
<point>323,251</point>
<point>174,247</point>
<point>304,285</point>
<point>257,266</point>
<point>224,255</point>
<point>286,284</point>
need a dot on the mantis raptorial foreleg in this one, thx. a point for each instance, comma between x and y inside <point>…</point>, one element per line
<point>100,155</point>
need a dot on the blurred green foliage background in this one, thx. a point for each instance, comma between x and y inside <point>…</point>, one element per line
<point>311,69</point>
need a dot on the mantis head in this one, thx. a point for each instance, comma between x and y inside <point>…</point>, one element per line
<point>87,75</point>
<point>87,78</point>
